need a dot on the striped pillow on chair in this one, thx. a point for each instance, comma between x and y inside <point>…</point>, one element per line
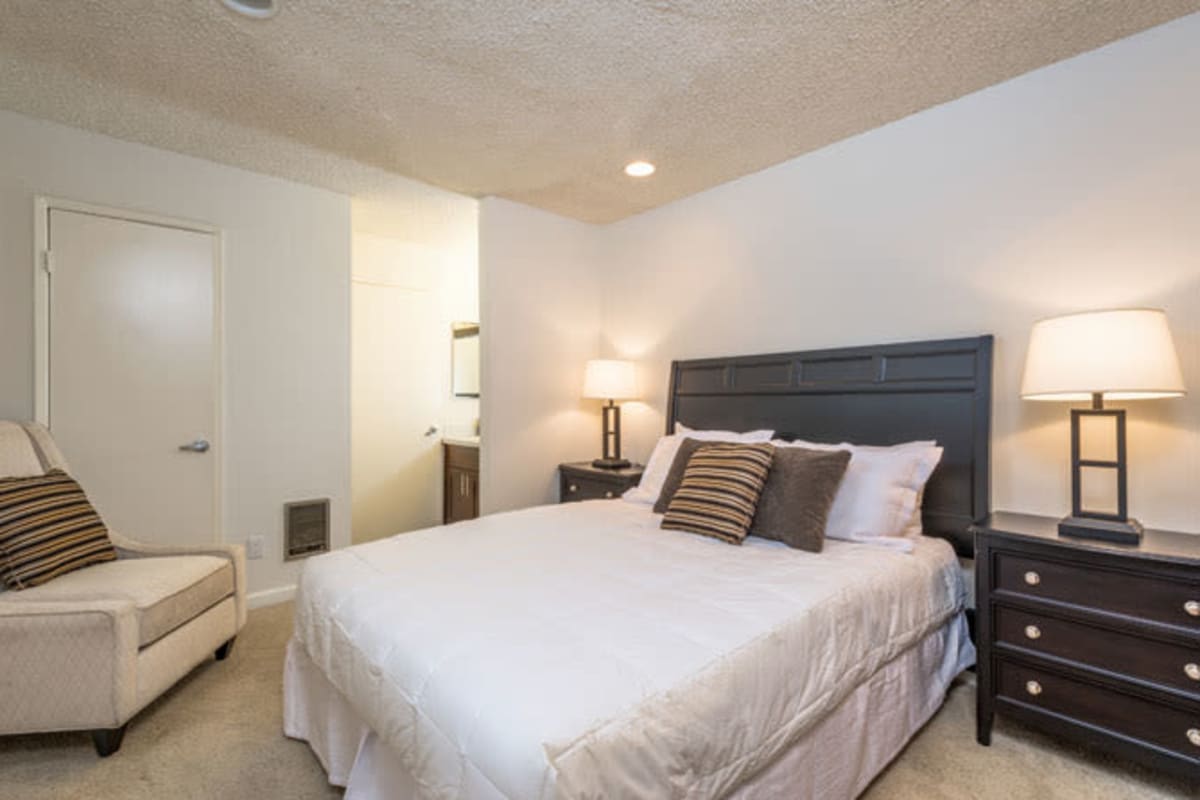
<point>48,528</point>
<point>720,490</point>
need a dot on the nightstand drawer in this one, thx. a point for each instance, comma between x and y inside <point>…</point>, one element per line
<point>1143,596</point>
<point>1172,665</point>
<point>584,481</point>
<point>1173,727</point>
<point>576,488</point>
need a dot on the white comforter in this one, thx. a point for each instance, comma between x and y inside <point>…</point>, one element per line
<point>579,651</point>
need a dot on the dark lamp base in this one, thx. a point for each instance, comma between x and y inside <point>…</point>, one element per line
<point>610,463</point>
<point>1105,530</point>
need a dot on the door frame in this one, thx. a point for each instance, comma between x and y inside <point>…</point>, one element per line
<point>42,274</point>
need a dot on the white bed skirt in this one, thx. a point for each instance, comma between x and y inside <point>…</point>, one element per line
<point>836,758</point>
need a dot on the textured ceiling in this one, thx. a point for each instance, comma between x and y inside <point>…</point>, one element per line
<point>539,102</point>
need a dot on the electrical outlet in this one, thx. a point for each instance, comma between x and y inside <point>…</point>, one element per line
<point>254,547</point>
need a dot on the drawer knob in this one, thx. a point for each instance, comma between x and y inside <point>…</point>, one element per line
<point>1193,735</point>
<point>1033,687</point>
<point>1032,578</point>
<point>1033,632</point>
<point>1192,607</point>
<point>572,488</point>
<point>1192,671</point>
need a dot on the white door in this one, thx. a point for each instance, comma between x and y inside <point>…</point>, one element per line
<point>130,373</point>
<point>400,347</point>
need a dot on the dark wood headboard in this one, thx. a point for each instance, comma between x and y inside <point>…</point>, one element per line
<point>876,395</point>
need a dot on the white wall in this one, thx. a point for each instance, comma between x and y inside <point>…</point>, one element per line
<point>416,271</point>
<point>286,312</point>
<point>1073,187</point>
<point>540,302</point>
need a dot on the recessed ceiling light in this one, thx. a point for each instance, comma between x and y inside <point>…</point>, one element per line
<point>258,9</point>
<point>639,169</point>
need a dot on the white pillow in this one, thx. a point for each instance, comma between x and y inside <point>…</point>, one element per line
<point>879,500</point>
<point>660,461</point>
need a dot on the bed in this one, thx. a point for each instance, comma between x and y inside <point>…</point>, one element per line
<point>580,651</point>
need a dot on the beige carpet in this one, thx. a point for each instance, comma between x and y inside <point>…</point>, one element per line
<point>217,735</point>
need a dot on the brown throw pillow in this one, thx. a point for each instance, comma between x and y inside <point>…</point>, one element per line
<point>48,528</point>
<point>720,490</point>
<point>675,475</point>
<point>799,492</point>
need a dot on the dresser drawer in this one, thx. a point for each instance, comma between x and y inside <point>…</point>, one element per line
<point>576,488</point>
<point>1147,597</point>
<point>1175,728</point>
<point>1172,665</point>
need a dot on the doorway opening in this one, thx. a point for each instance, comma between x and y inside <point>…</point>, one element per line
<point>414,384</point>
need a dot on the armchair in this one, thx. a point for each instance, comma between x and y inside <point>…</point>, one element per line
<point>88,650</point>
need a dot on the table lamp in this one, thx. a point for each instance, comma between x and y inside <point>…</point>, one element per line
<point>607,379</point>
<point>1122,354</point>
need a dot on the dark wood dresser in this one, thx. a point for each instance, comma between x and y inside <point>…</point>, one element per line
<point>1092,641</point>
<point>581,481</point>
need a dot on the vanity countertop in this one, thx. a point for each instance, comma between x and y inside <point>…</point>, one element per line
<point>461,441</point>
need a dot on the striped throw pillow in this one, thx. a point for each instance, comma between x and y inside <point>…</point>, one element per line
<point>48,528</point>
<point>720,490</point>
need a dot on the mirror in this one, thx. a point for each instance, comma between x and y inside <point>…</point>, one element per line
<point>465,359</point>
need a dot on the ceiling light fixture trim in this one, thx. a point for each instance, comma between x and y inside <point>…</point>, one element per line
<point>255,9</point>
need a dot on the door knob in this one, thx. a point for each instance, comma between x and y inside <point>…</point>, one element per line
<point>198,446</point>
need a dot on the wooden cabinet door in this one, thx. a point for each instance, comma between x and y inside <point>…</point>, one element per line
<point>462,495</point>
<point>473,488</point>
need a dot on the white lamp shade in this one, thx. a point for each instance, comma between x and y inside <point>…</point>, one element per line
<point>608,379</point>
<point>1124,354</point>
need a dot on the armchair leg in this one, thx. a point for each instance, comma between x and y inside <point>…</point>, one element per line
<point>224,650</point>
<point>108,741</point>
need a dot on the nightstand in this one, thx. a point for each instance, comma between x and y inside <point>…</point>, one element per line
<point>581,481</point>
<point>1091,641</point>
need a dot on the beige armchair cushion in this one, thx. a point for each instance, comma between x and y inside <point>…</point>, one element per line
<point>234,554</point>
<point>165,592</point>
<point>27,449</point>
<point>17,456</point>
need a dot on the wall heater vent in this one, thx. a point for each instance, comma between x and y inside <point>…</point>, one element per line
<point>306,528</point>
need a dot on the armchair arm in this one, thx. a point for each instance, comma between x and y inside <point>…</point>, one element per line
<point>67,665</point>
<point>235,553</point>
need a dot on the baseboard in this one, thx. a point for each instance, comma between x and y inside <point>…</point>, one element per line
<point>271,597</point>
